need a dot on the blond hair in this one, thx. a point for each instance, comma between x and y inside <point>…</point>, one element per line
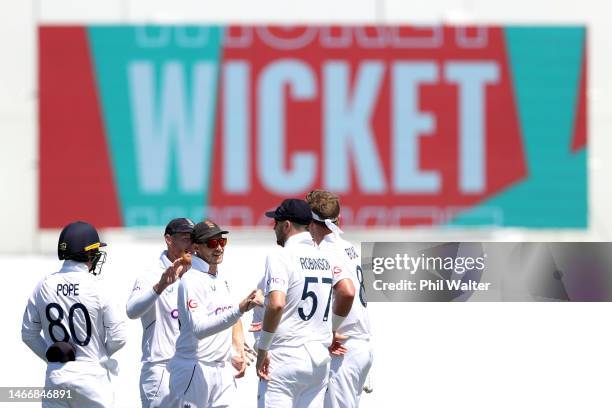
<point>324,203</point>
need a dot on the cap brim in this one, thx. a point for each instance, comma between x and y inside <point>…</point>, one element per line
<point>205,237</point>
<point>271,214</point>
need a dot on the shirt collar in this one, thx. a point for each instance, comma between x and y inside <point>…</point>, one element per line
<point>201,265</point>
<point>74,266</point>
<point>301,238</point>
<point>331,238</point>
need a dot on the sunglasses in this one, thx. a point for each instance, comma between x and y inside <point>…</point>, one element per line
<point>213,243</point>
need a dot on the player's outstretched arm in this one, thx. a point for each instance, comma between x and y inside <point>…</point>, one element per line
<point>204,326</point>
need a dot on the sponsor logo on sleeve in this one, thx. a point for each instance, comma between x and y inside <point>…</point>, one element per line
<point>276,281</point>
<point>222,309</point>
<point>192,304</point>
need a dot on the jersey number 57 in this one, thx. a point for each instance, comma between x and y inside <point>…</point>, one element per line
<point>311,294</point>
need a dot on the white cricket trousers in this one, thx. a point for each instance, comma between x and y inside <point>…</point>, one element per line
<point>155,386</point>
<point>89,385</point>
<point>298,377</point>
<point>202,385</point>
<point>348,374</point>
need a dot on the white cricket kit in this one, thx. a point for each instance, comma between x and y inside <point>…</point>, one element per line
<point>348,372</point>
<point>201,373</point>
<point>357,323</point>
<point>71,306</point>
<point>299,359</point>
<point>159,317</point>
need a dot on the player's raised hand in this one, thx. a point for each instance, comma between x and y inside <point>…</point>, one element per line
<point>185,264</point>
<point>176,270</point>
<point>337,348</point>
<point>173,272</point>
<point>168,277</point>
<point>263,364</point>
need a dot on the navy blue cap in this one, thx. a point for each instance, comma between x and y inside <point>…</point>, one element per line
<point>179,225</point>
<point>292,209</point>
<point>77,238</point>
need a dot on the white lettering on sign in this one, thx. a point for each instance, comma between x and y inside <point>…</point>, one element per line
<point>174,125</point>
<point>300,80</point>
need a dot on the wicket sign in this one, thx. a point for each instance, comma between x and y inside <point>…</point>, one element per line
<point>409,125</point>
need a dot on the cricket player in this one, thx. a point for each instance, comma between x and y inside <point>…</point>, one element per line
<point>209,350</point>
<point>153,301</point>
<point>81,327</point>
<point>293,357</point>
<point>351,350</point>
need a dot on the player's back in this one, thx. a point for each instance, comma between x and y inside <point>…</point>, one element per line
<point>72,307</point>
<point>357,323</point>
<point>307,271</point>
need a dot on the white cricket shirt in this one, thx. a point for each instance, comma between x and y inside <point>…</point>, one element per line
<point>206,314</point>
<point>158,313</point>
<point>71,305</point>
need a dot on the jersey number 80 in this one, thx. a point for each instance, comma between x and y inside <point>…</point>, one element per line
<point>57,321</point>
